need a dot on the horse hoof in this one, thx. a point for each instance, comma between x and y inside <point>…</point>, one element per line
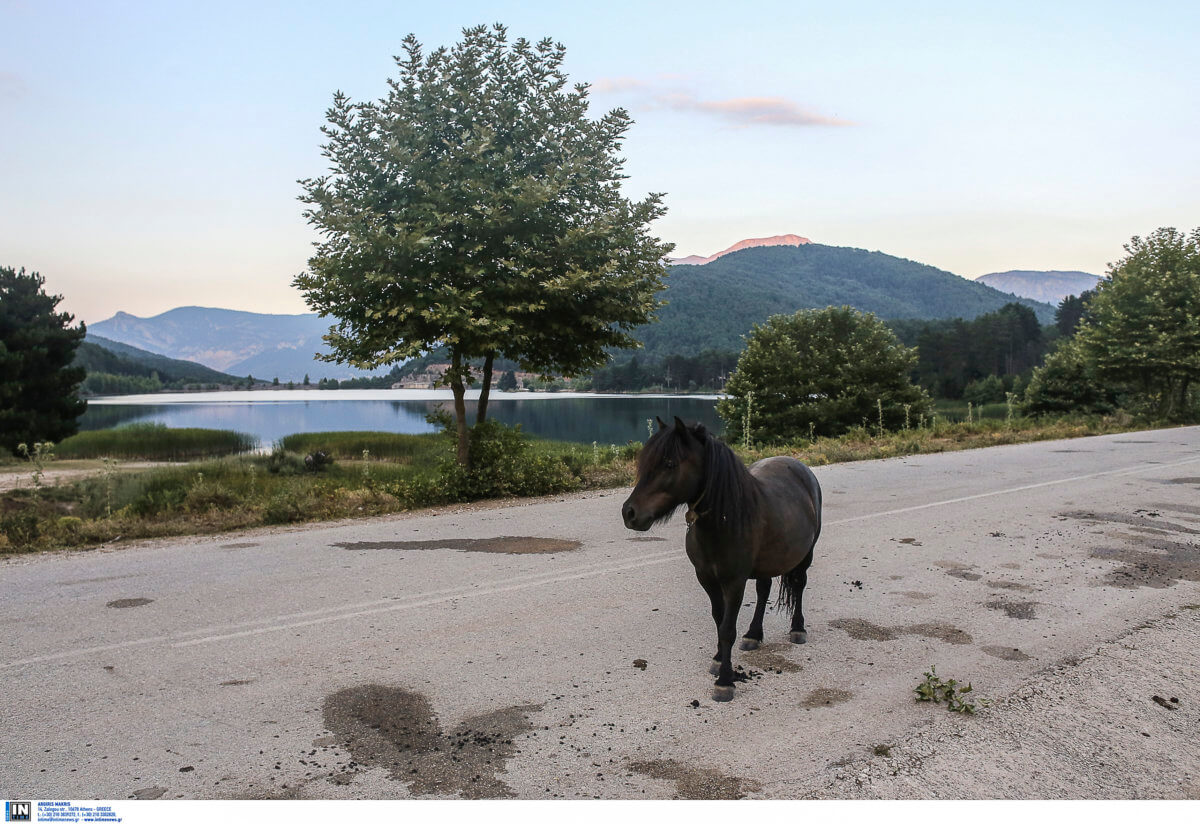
<point>748,643</point>
<point>798,637</point>
<point>723,693</point>
<point>714,668</point>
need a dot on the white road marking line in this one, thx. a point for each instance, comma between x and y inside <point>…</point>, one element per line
<point>369,607</point>
<point>312,617</point>
<point>428,602</point>
<point>1125,471</point>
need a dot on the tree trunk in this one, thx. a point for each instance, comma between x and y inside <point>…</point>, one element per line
<point>459,389</point>
<point>486,389</point>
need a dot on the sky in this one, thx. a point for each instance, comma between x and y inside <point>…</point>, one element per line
<point>150,151</point>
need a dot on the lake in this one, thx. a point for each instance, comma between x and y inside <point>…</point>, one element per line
<point>271,414</point>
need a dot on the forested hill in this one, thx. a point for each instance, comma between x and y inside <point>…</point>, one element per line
<point>714,305</point>
<point>100,355</point>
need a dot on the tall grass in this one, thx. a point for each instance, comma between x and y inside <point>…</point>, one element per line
<point>155,442</point>
<point>386,446</point>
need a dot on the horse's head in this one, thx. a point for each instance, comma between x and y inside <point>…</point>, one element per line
<point>670,473</point>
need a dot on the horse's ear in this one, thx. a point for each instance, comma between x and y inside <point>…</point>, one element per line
<point>661,423</point>
<point>682,428</point>
<point>700,432</point>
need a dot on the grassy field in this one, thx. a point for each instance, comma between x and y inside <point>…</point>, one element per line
<point>154,442</point>
<point>374,473</point>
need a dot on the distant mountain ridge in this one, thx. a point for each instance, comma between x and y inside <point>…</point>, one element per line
<point>748,243</point>
<point>232,341</point>
<point>1048,286</point>
<point>713,305</point>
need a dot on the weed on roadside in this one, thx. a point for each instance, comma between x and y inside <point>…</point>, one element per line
<point>935,690</point>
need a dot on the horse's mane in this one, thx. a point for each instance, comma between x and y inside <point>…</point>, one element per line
<point>730,496</point>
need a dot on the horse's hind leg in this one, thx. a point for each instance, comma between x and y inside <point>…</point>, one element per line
<point>754,634</point>
<point>795,581</point>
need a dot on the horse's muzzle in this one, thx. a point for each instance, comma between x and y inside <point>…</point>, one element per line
<point>632,521</point>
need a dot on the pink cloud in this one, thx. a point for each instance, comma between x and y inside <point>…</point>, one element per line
<point>752,111</point>
<point>609,85</point>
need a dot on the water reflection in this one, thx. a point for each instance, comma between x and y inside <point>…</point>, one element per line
<point>566,418</point>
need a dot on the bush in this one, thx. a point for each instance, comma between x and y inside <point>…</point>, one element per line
<point>820,372</point>
<point>20,527</point>
<point>1067,383</point>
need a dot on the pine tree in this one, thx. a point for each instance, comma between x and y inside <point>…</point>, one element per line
<point>38,385</point>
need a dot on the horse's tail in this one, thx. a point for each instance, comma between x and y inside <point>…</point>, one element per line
<point>791,585</point>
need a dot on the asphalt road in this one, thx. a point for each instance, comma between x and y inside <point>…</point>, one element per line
<point>372,659</point>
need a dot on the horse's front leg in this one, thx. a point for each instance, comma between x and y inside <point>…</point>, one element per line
<point>754,634</point>
<point>716,599</point>
<point>733,591</point>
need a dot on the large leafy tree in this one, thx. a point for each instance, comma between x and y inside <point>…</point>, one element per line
<point>477,208</point>
<point>822,372</point>
<point>38,385</point>
<point>1142,328</point>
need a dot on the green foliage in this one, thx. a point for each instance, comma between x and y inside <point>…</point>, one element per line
<point>935,690</point>
<point>820,372</point>
<point>988,390</point>
<point>155,442</point>
<point>38,385</point>
<point>392,446</point>
<point>707,370</point>
<point>1142,329</point>
<point>104,383</point>
<point>952,355</point>
<point>1066,384</point>
<point>476,207</point>
<point>1071,311</point>
<point>507,382</point>
<point>504,465</point>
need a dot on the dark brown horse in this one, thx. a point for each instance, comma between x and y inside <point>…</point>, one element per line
<point>758,523</point>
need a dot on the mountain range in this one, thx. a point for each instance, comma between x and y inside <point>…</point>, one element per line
<point>712,303</point>
<point>234,342</point>
<point>1049,287</point>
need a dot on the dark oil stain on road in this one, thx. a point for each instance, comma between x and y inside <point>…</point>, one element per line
<point>238,682</point>
<point>1007,653</point>
<point>1183,481</point>
<point>1010,585</point>
<point>505,545</point>
<point>825,697</point>
<point>398,730</point>
<point>863,630</point>
<point>644,540</point>
<point>771,657</point>
<point>126,603</point>
<point>1024,610</point>
<point>696,783</point>
<point>1151,562</point>
<point>1142,518</point>
<point>243,545</point>
<point>963,574</point>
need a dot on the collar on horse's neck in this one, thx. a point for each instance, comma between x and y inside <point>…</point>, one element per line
<point>694,514</point>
